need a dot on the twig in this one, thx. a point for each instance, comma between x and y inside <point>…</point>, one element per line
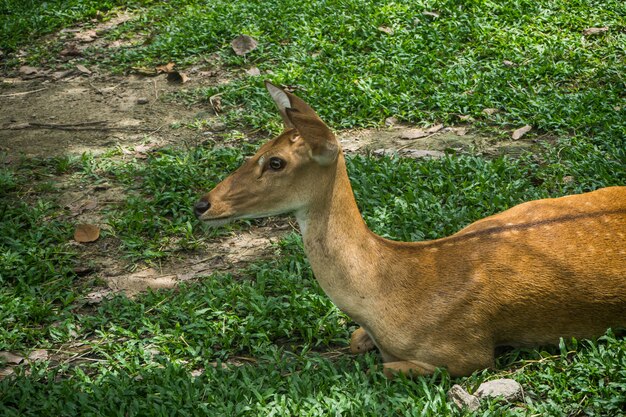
<point>23,93</point>
<point>416,139</point>
<point>77,126</point>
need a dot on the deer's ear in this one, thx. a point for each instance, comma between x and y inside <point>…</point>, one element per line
<point>324,147</point>
<point>281,99</point>
<point>297,114</point>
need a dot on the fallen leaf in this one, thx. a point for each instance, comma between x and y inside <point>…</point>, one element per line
<point>177,77</point>
<point>434,128</point>
<point>216,103</point>
<point>141,151</point>
<point>4,372</point>
<point>253,72</point>
<point>518,133</point>
<point>162,69</point>
<point>595,31</point>
<point>83,69</point>
<point>85,233</point>
<point>57,75</point>
<point>71,50</point>
<point>489,111</point>
<point>431,14</point>
<point>386,29</point>
<point>80,206</point>
<point>466,118</point>
<point>26,70</point>
<point>38,355</point>
<point>508,63</point>
<point>10,358</point>
<point>413,134</point>
<point>98,296</point>
<point>243,44</point>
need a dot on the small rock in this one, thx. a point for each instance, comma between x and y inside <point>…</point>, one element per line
<point>142,100</point>
<point>508,389</point>
<point>462,398</point>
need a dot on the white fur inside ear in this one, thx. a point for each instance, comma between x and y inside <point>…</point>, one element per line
<point>279,97</point>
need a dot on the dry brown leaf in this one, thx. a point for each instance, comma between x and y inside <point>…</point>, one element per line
<point>508,63</point>
<point>595,31</point>
<point>216,103</point>
<point>141,151</point>
<point>97,296</point>
<point>4,372</point>
<point>27,70</point>
<point>253,72</point>
<point>413,134</point>
<point>243,44</point>
<point>518,133</point>
<point>83,69</point>
<point>85,233</point>
<point>81,206</point>
<point>465,118</point>
<point>431,14</point>
<point>490,111</point>
<point>434,128</point>
<point>161,69</point>
<point>38,355</point>
<point>386,29</point>
<point>11,358</point>
<point>177,77</point>
<point>71,50</point>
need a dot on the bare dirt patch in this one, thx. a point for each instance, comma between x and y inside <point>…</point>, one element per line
<point>79,114</point>
<point>403,140</point>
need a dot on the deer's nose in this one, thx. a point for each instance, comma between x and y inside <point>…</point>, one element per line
<point>201,207</point>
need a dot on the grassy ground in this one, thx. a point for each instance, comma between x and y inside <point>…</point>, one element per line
<point>281,340</point>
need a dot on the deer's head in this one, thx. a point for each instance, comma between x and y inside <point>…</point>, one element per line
<point>285,175</point>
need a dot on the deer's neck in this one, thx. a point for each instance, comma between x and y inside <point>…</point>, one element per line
<point>344,254</point>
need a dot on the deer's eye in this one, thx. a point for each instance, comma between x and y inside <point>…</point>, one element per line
<point>276,164</point>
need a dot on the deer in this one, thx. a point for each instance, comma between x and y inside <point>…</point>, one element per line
<point>538,272</point>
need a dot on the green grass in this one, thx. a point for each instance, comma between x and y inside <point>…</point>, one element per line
<point>281,339</point>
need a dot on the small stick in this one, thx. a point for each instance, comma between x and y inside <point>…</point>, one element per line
<point>23,93</point>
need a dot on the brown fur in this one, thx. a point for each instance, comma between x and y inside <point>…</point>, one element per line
<point>539,271</point>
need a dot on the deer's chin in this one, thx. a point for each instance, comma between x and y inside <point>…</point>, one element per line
<point>217,222</point>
